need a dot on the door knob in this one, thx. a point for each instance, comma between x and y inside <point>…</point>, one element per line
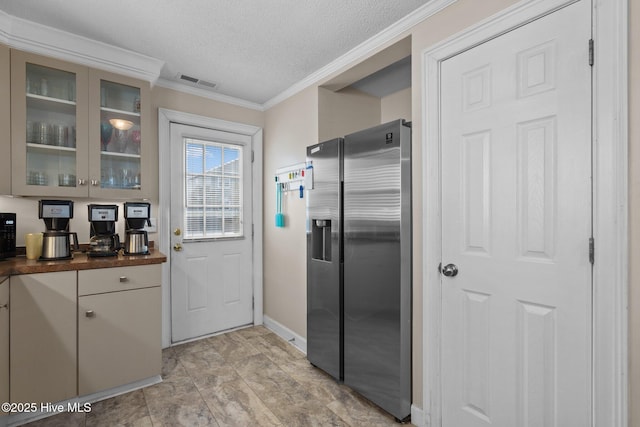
<point>177,247</point>
<point>177,232</point>
<point>450,270</point>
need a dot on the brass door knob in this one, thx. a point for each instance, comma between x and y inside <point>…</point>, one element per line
<point>177,232</point>
<point>177,247</point>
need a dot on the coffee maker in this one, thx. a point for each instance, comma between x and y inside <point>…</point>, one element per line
<point>136,215</point>
<point>56,240</point>
<point>104,241</point>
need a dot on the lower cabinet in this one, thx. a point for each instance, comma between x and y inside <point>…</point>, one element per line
<point>75,333</point>
<point>118,338</point>
<point>4,341</point>
<point>43,337</point>
<point>119,326</point>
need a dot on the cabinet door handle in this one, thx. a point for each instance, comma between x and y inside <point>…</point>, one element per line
<point>124,279</point>
<point>90,313</point>
<point>5,306</point>
<point>82,181</point>
<point>94,182</point>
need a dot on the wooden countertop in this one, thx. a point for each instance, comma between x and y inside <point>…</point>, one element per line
<point>80,261</point>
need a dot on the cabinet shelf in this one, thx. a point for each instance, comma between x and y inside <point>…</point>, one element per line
<point>46,103</point>
<point>116,154</point>
<point>49,148</point>
<point>115,112</point>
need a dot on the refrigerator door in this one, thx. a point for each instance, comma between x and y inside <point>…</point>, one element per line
<point>324,258</point>
<point>377,265</point>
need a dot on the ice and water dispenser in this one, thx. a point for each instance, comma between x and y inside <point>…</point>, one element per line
<point>321,239</point>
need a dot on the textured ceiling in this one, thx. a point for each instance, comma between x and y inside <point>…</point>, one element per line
<point>252,49</point>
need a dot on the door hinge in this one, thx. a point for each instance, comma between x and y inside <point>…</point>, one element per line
<point>252,156</point>
<point>591,52</point>
<point>592,250</point>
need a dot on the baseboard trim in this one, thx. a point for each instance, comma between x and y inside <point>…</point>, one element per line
<point>417,417</point>
<point>77,403</point>
<point>286,334</point>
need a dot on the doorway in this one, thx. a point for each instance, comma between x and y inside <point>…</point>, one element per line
<point>608,345</point>
<point>516,226</point>
<point>211,274</point>
<point>209,227</point>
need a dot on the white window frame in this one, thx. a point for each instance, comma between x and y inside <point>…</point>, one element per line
<point>224,235</point>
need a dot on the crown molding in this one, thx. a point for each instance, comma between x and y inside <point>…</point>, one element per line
<point>363,49</point>
<point>162,82</point>
<point>36,38</point>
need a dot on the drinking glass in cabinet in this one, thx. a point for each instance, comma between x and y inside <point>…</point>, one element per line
<point>48,82</point>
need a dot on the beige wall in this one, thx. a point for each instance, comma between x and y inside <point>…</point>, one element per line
<point>634,213</point>
<point>289,127</point>
<point>346,111</point>
<point>179,101</point>
<point>5,119</point>
<point>396,106</point>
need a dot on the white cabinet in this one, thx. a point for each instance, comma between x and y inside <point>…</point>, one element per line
<point>119,326</point>
<point>43,337</point>
<point>4,340</point>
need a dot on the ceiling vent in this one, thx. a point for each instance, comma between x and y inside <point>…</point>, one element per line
<point>192,81</point>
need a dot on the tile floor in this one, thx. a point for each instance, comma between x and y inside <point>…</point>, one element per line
<point>249,377</point>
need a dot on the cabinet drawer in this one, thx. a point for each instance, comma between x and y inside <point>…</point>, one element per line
<point>118,279</point>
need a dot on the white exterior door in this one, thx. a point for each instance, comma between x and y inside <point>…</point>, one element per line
<point>211,231</point>
<point>516,222</point>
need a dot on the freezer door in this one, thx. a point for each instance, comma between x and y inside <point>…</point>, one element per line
<point>324,258</point>
<point>377,266</point>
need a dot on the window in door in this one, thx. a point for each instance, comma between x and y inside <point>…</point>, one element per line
<point>213,190</point>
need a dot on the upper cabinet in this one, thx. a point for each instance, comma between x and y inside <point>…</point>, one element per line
<point>118,125</point>
<point>77,132</point>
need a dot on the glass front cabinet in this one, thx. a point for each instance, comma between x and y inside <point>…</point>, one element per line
<point>76,131</point>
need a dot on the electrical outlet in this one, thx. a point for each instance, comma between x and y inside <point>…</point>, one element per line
<point>153,228</point>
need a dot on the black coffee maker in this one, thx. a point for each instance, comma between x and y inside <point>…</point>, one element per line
<point>104,239</point>
<point>136,215</point>
<point>56,240</point>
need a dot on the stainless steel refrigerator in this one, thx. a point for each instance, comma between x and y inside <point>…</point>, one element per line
<point>359,263</point>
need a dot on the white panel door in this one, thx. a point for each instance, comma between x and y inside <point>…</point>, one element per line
<point>211,232</point>
<point>516,221</point>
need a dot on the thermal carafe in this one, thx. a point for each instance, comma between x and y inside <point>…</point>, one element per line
<point>136,242</point>
<point>57,245</point>
<point>136,216</point>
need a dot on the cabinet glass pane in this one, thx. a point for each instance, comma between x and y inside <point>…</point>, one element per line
<point>50,126</point>
<point>120,136</point>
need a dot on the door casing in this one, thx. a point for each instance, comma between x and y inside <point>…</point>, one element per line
<point>610,202</point>
<point>165,118</point>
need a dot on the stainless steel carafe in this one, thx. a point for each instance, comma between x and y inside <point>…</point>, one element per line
<point>57,245</point>
<point>136,242</point>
